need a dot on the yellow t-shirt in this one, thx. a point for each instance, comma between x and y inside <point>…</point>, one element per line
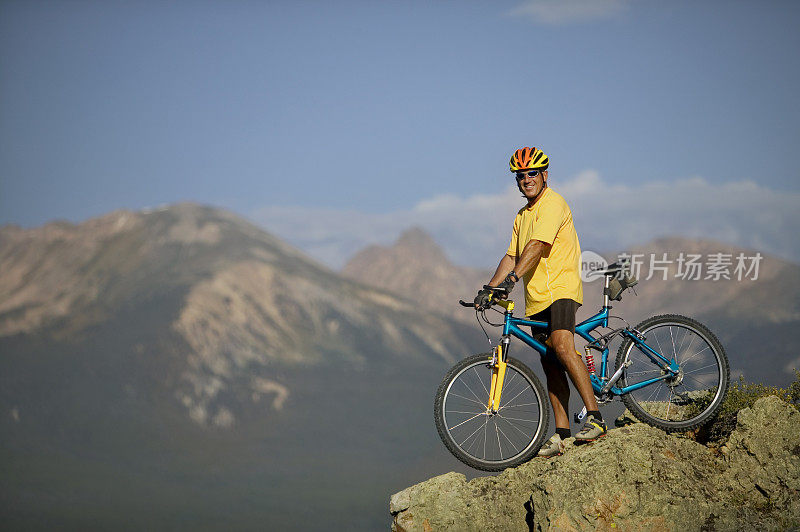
<point>558,274</point>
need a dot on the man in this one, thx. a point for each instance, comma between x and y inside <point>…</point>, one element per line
<point>545,252</point>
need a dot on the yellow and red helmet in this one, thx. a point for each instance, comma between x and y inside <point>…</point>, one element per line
<point>528,159</point>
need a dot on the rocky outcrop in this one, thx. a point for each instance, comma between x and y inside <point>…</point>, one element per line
<point>636,478</point>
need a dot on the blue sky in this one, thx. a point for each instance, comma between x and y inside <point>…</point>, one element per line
<point>338,124</point>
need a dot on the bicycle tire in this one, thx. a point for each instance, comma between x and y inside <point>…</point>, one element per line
<point>693,398</point>
<point>526,417</point>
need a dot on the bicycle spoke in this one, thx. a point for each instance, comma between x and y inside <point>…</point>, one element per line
<point>507,382</point>
<point>499,447</point>
<point>511,443</point>
<point>522,384</point>
<point>689,347</point>
<point>655,390</point>
<point>694,355</point>
<point>700,369</point>
<point>669,403</point>
<point>472,438</point>
<point>485,424</point>
<point>645,372</point>
<point>680,346</point>
<point>507,390</point>
<point>470,419</point>
<point>660,349</point>
<point>517,419</point>
<point>701,383</point>
<point>518,405</point>
<point>480,380</point>
<point>473,393</point>
<point>474,443</point>
<point>674,352</point>
<point>520,393</point>
<point>468,437</point>
<point>468,399</point>
<point>517,429</point>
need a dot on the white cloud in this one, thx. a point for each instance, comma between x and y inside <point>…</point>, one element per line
<point>475,230</point>
<point>557,12</point>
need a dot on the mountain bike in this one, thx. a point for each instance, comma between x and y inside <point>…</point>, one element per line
<point>492,411</point>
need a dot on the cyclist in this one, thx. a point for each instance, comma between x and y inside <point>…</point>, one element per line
<point>545,253</point>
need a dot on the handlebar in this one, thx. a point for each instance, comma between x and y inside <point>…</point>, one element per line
<point>495,292</point>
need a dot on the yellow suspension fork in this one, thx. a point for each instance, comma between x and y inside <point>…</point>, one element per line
<point>498,376</point>
<point>500,359</point>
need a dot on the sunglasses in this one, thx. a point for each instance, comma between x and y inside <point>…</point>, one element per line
<point>532,174</point>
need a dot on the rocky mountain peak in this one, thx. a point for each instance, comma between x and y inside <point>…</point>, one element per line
<point>416,267</point>
<point>416,240</point>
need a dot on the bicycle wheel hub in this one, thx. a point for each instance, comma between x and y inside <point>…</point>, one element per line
<point>677,379</point>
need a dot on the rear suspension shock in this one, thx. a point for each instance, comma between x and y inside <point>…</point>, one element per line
<point>589,360</point>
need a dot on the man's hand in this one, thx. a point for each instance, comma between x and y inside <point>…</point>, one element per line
<point>508,283</point>
<point>483,299</point>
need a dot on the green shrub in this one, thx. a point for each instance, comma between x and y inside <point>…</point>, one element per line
<point>741,395</point>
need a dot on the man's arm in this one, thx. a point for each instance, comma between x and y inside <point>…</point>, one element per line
<point>529,259</point>
<point>506,265</point>
<point>531,254</point>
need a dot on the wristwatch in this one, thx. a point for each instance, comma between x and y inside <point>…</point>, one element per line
<point>516,277</point>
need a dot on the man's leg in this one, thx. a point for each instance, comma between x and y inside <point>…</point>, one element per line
<point>557,389</point>
<point>564,343</point>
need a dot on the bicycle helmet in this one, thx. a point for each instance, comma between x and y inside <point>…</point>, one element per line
<point>528,159</point>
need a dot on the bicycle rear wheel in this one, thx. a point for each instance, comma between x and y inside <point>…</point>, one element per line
<point>480,439</point>
<point>695,394</point>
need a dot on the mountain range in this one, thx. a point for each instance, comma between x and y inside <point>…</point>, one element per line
<point>194,370</point>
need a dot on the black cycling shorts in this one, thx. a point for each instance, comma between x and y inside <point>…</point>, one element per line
<point>559,315</point>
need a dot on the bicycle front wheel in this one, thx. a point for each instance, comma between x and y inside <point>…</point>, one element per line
<point>688,399</point>
<point>482,439</point>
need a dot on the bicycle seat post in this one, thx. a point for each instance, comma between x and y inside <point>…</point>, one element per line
<point>606,290</point>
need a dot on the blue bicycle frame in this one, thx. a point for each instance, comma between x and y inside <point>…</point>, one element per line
<point>602,384</point>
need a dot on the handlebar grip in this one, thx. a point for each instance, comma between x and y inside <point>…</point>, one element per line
<point>465,304</point>
<point>495,289</point>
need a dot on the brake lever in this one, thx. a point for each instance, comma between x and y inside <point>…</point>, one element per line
<point>497,289</point>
